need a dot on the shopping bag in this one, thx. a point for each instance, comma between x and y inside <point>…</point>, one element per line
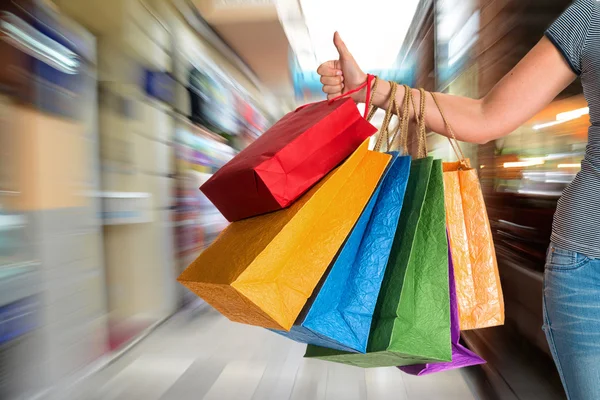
<point>339,314</point>
<point>461,356</point>
<point>411,323</point>
<point>323,297</point>
<point>478,287</point>
<point>288,159</point>
<point>262,270</point>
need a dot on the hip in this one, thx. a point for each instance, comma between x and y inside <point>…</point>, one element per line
<point>572,275</point>
<point>578,214</point>
<point>572,287</point>
<point>572,319</point>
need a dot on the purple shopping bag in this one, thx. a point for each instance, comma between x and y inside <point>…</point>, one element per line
<point>461,356</point>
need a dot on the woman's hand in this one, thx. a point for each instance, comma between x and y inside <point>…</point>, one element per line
<point>342,75</point>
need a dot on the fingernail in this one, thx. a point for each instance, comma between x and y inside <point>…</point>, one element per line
<point>339,73</point>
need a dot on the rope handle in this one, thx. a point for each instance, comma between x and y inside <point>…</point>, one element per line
<point>422,129</point>
<point>403,121</point>
<point>403,125</point>
<point>384,131</point>
<point>420,119</point>
<point>452,139</point>
<point>372,109</point>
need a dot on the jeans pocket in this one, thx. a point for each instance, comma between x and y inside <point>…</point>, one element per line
<point>564,260</point>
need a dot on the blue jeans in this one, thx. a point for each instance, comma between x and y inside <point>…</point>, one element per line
<point>572,320</point>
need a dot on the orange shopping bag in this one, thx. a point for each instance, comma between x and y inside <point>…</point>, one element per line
<point>479,292</point>
<point>261,271</point>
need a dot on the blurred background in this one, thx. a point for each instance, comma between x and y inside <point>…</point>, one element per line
<point>114,112</point>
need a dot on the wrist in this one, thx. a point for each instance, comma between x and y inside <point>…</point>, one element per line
<point>360,96</point>
<point>381,95</point>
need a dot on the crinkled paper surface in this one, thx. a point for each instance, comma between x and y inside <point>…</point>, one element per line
<point>411,323</point>
<point>262,270</point>
<point>340,315</point>
<point>461,356</point>
<point>479,292</point>
<point>288,159</point>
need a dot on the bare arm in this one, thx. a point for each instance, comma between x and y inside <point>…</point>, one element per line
<point>538,78</point>
<point>519,96</point>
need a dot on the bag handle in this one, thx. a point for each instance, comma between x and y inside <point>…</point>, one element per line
<point>463,162</point>
<point>368,97</point>
<point>420,118</point>
<point>385,125</point>
<point>422,129</point>
<point>372,108</point>
<point>403,121</point>
<point>402,127</point>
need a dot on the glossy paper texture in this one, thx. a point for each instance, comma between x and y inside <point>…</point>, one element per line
<point>478,288</point>
<point>340,315</point>
<point>288,159</point>
<point>461,356</point>
<point>262,270</point>
<point>411,323</point>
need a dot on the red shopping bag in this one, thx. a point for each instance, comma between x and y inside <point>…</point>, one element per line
<point>289,158</point>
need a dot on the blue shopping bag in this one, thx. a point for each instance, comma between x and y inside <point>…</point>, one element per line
<point>340,313</point>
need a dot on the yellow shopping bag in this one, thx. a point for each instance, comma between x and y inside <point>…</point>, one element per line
<point>261,271</point>
<point>478,288</point>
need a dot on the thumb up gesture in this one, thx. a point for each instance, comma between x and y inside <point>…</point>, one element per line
<point>341,75</point>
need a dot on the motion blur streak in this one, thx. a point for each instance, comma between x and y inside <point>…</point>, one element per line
<point>114,112</point>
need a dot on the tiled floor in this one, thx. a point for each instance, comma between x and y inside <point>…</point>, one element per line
<point>201,355</point>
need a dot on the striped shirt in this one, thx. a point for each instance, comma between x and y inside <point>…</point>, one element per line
<point>576,34</point>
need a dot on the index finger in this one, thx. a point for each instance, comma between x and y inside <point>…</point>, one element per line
<point>330,68</point>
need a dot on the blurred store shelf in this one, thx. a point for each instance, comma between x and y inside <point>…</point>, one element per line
<point>119,208</point>
<point>18,281</point>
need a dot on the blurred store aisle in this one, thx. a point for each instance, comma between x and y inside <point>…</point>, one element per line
<point>199,354</point>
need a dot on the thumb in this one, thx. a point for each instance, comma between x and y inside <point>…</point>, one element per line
<point>341,47</point>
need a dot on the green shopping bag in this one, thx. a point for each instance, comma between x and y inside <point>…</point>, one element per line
<point>411,324</point>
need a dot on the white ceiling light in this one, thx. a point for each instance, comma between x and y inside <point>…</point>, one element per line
<point>27,38</point>
<point>569,165</point>
<point>569,115</point>
<point>547,125</point>
<point>564,117</point>
<point>374,33</point>
<point>522,164</point>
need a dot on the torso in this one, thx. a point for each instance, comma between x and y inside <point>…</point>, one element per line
<point>577,220</point>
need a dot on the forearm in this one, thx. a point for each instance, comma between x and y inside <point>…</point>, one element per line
<point>521,94</point>
<point>466,115</point>
<point>472,120</point>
